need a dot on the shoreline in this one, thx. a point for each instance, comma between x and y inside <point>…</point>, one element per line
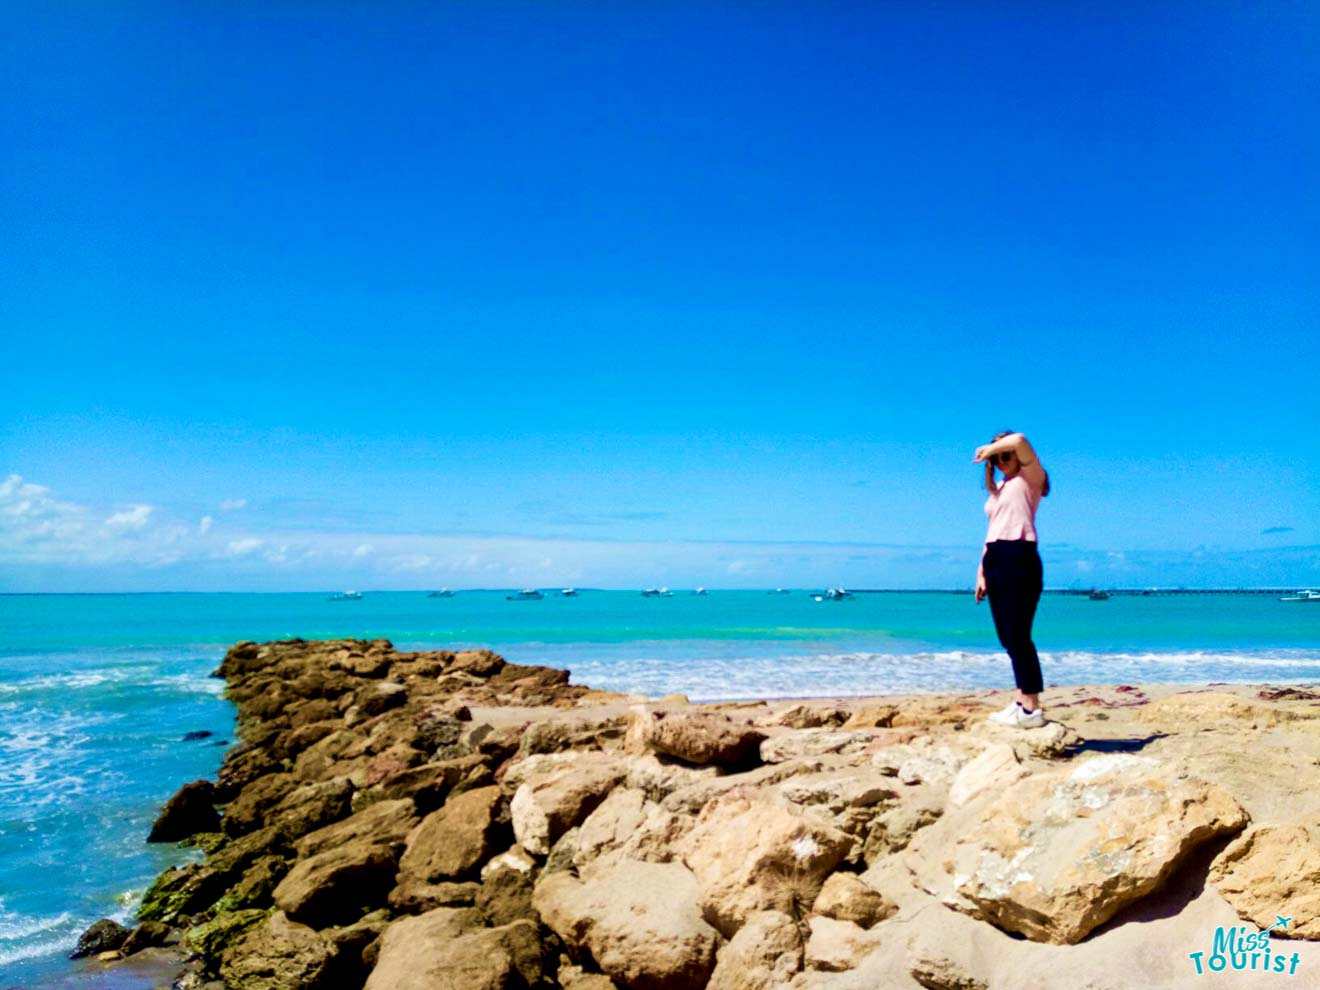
<point>342,732</point>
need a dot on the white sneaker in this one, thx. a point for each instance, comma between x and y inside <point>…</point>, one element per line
<point>1017,717</point>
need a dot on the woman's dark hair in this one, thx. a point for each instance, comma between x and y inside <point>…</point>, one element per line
<point>990,485</point>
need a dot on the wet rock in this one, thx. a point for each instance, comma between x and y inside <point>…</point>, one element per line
<point>102,936</point>
<point>257,887</point>
<point>280,954</point>
<point>188,812</point>
<point>1068,849</point>
<point>209,940</point>
<point>1273,870</point>
<point>146,936</point>
<point>639,921</point>
<point>197,734</point>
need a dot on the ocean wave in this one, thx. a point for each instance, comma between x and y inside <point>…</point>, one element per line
<point>862,673</point>
<point>19,936</point>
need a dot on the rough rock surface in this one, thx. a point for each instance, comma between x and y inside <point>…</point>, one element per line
<point>1274,870</point>
<point>549,804</point>
<point>764,955</point>
<point>835,946</point>
<point>1067,849</point>
<point>844,897</point>
<point>334,886</point>
<point>700,737</point>
<point>102,936</point>
<point>639,921</point>
<point>280,955</point>
<point>190,811</point>
<point>452,843</point>
<point>448,948</point>
<point>751,854</point>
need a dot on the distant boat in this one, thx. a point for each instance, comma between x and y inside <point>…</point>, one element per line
<point>1097,595</point>
<point>833,595</point>
<point>657,593</point>
<point>346,596</point>
<point>779,591</point>
<point>1302,596</point>
<point>442,593</point>
<point>526,595</point>
<point>568,593</point>
<point>701,592</point>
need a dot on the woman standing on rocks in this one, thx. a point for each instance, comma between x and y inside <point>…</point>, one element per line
<point>1010,572</point>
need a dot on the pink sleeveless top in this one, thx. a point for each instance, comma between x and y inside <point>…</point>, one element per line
<point>1012,512</point>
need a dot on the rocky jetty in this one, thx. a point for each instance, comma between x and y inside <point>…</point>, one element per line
<point>396,820</point>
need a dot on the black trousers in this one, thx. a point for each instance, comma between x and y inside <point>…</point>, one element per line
<point>1013,582</point>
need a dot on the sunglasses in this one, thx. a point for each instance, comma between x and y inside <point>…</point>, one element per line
<point>1005,457</point>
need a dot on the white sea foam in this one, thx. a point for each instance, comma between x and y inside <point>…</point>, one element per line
<point>856,673</point>
<point>19,936</point>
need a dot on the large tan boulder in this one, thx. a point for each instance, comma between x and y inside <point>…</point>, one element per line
<point>1067,849</point>
<point>547,805</point>
<point>280,955</point>
<point>448,948</point>
<point>750,854</point>
<point>628,823</point>
<point>451,843</point>
<point>702,738</point>
<point>1273,870</point>
<point>332,887</point>
<point>764,955</point>
<point>639,921</point>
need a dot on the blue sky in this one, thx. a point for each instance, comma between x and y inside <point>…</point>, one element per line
<point>395,295</point>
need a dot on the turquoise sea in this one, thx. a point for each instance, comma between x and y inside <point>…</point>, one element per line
<point>97,692</point>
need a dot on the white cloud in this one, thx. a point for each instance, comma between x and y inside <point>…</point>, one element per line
<point>233,504</point>
<point>133,518</point>
<point>204,526</point>
<point>361,551</point>
<point>413,562</point>
<point>245,546</point>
